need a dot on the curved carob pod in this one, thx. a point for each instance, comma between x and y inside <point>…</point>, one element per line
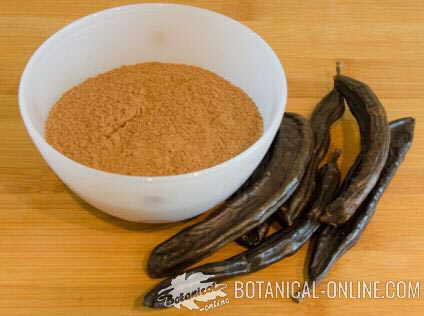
<point>375,140</point>
<point>332,242</point>
<point>276,247</point>
<point>325,114</point>
<point>270,187</point>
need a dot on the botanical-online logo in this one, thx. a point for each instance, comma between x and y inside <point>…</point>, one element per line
<point>185,290</point>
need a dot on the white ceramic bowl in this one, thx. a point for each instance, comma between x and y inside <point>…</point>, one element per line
<point>153,32</point>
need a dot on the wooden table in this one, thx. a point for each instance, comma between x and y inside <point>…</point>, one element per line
<point>60,256</point>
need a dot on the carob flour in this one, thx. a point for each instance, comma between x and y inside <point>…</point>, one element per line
<point>153,119</point>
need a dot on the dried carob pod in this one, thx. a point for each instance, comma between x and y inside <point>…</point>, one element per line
<point>375,141</point>
<point>332,242</point>
<point>276,247</point>
<point>269,188</point>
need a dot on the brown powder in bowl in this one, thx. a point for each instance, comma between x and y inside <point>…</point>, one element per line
<point>153,119</point>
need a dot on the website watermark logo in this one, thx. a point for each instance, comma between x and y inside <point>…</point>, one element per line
<point>188,290</point>
<point>348,289</point>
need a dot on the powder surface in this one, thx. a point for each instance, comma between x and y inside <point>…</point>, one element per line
<point>153,119</point>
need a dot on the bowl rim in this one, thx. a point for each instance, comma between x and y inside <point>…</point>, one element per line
<point>33,132</point>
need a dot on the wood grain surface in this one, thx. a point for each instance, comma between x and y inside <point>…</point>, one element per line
<point>59,256</point>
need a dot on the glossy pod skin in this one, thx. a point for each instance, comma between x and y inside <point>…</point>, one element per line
<point>332,242</point>
<point>274,248</point>
<point>375,140</point>
<point>272,184</point>
<point>325,114</point>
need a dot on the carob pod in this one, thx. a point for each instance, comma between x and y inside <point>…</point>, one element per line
<point>265,192</point>
<point>375,141</point>
<point>326,112</point>
<point>276,247</point>
<point>332,242</point>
